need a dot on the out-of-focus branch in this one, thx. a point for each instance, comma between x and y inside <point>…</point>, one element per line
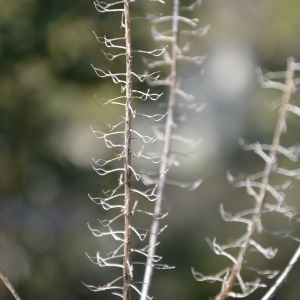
<point>172,82</point>
<point>283,276</point>
<point>255,225</point>
<point>9,286</point>
<point>264,193</point>
<point>165,157</point>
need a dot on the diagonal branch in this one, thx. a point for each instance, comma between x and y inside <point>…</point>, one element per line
<point>9,286</point>
<point>283,276</point>
<point>256,218</point>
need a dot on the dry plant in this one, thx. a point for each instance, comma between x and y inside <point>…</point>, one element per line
<point>132,245</point>
<point>176,96</point>
<point>121,202</point>
<point>269,198</point>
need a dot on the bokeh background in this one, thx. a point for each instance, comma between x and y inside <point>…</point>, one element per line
<point>49,98</point>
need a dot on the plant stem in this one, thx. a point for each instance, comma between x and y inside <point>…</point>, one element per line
<point>165,158</point>
<point>127,276</point>
<point>256,218</point>
<point>9,286</point>
<point>282,276</point>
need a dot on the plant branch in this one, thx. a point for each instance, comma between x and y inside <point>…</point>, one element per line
<point>127,276</point>
<point>166,154</point>
<point>255,224</point>
<point>283,276</point>
<point>9,286</point>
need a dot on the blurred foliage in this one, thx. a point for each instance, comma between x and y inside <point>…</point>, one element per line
<point>49,97</point>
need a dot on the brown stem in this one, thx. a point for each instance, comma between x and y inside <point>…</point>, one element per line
<point>255,222</point>
<point>127,276</point>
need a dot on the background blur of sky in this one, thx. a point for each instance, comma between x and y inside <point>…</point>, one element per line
<point>49,97</point>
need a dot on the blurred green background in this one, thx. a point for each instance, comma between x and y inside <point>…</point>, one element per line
<point>49,97</point>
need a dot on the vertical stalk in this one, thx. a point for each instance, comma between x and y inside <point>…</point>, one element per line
<point>166,153</point>
<point>255,221</point>
<point>127,277</point>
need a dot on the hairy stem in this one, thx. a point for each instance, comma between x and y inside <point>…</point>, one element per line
<point>165,158</point>
<point>256,218</point>
<point>127,276</point>
<point>9,286</point>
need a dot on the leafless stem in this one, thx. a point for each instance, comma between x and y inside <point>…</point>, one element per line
<point>283,276</point>
<point>166,153</point>
<point>127,157</point>
<point>255,221</point>
<point>9,286</point>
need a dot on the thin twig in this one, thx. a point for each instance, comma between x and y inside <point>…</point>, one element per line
<point>283,276</point>
<point>166,154</point>
<point>9,286</point>
<point>127,277</point>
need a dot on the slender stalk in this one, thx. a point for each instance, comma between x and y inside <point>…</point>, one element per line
<point>127,277</point>
<point>255,222</point>
<point>283,276</point>
<point>165,158</point>
<point>9,286</point>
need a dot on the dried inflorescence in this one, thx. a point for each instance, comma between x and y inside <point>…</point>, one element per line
<point>122,201</point>
<point>174,53</point>
<point>268,197</point>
